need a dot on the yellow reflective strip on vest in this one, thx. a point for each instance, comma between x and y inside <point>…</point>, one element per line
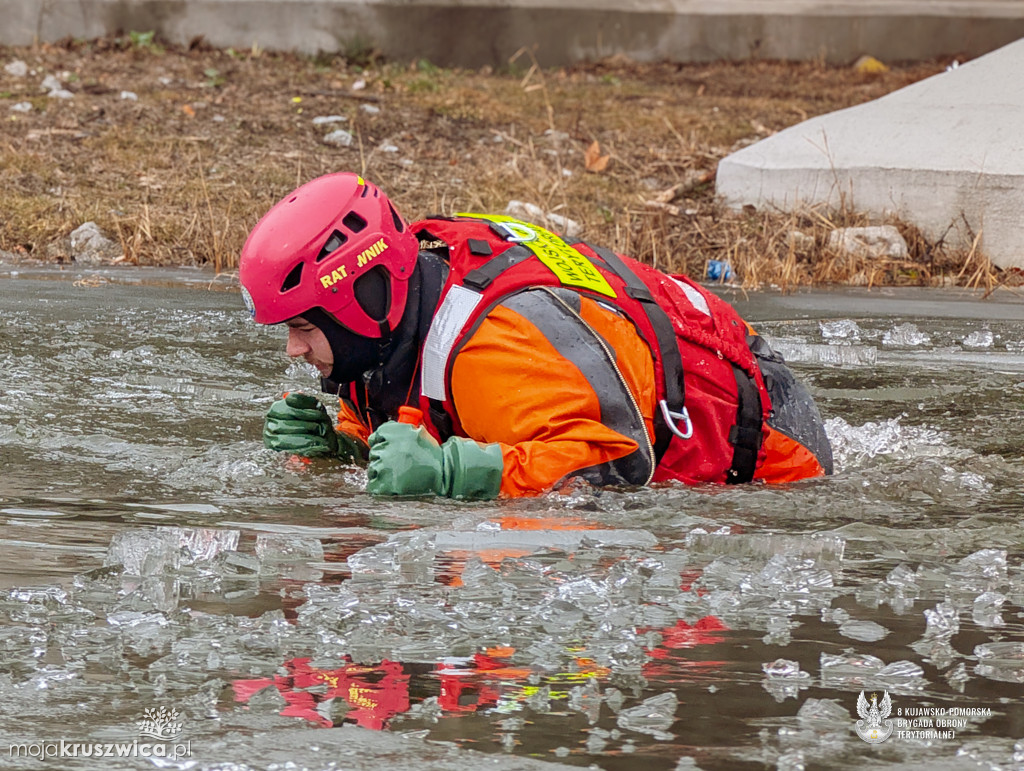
<point>569,265</point>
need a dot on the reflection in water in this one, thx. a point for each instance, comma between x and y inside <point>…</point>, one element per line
<point>157,555</point>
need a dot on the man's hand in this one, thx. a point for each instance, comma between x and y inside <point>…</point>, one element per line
<point>299,424</point>
<point>407,460</point>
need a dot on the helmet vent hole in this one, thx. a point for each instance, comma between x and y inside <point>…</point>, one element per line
<point>334,243</point>
<point>399,225</point>
<point>293,278</point>
<point>353,222</point>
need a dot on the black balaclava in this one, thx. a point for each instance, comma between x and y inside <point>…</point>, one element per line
<point>389,364</point>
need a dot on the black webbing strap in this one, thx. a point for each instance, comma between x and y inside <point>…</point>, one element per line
<point>485,274</point>
<point>745,436</point>
<point>441,419</point>
<point>668,346</point>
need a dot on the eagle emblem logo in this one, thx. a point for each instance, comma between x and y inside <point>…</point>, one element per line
<point>873,726</point>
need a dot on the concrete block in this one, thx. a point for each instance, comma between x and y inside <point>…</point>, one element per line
<point>943,154</point>
<point>472,33</point>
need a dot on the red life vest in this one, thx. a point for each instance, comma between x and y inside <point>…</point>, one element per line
<point>712,398</point>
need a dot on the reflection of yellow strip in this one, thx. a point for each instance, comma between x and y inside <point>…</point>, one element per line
<point>570,266</point>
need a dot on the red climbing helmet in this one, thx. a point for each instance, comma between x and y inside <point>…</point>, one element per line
<point>310,248</point>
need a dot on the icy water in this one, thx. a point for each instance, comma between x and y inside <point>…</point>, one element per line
<point>156,557</point>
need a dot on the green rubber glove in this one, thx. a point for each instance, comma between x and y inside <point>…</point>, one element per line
<point>299,423</point>
<point>407,460</point>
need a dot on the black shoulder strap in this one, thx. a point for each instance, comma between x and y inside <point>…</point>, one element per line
<point>668,346</point>
<point>745,436</point>
<point>480,278</point>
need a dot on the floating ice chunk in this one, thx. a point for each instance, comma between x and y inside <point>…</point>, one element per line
<point>987,607</point>
<point>904,579</point>
<point>47,595</point>
<point>833,355</point>
<point>144,552</point>
<point>52,678</point>
<point>236,563</point>
<point>842,330</point>
<point>286,547</point>
<point>267,699</point>
<point>982,338</point>
<point>866,631</point>
<point>957,676</point>
<point>204,543</point>
<point>1003,661</point>
<point>822,711</point>
<point>686,763</point>
<point>849,665</point>
<point>134,618</point>
<point>941,623</point>
<point>855,444</point>
<point>653,716</point>
<point>990,563</point>
<point>785,669</point>
<point>905,336</point>
<point>834,615</point>
<point>824,550</point>
<point>1007,652</point>
<point>476,540</point>
<point>586,698</point>
<point>900,670</point>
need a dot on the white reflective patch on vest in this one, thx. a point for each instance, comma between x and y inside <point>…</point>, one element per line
<point>448,322</point>
<point>697,300</point>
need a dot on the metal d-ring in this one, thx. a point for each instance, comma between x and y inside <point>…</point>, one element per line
<point>671,418</point>
<point>518,233</point>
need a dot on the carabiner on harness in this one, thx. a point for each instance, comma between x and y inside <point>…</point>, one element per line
<point>671,418</point>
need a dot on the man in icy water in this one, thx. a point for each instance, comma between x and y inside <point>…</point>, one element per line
<point>529,360</point>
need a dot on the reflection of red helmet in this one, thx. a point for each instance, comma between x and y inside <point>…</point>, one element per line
<point>311,247</point>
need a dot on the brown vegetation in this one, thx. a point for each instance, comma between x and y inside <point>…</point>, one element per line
<point>629,151</point>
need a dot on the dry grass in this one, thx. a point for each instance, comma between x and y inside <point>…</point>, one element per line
<point>216,137</point>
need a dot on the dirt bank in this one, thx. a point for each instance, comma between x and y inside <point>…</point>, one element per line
<point>176,153</point>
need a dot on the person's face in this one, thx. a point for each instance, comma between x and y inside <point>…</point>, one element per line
<point>307,341</point>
